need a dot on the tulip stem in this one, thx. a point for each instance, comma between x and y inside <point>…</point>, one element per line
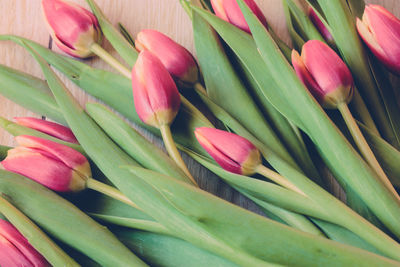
<point>277,178</point>
<point>109,191</point>
<point>173,151</point>
<point>195,111</point>
<point>363,146</point>
<point>200,88</point>
<point>103,54</point>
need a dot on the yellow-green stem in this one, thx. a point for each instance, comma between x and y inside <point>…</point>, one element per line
<point>200,88</point>
<point>277,178</point>
<point>363,146</point>
<point>173,151</point>
<point>197,113</point>
<point>109,191</point>
<point>103,54</point>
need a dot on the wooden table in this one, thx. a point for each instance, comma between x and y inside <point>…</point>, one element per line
<point>24,17</point>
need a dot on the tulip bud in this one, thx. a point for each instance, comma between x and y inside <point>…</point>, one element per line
<point>73,28</point>
<point>323,30</point>
<point>231,151</point>
<point>51,128</point>
<point>324,73</point>
<point>155,94</point>
<point>53,165</point>
<point>176,59</point>
<point>15,249</point>
<point>230,11</point>
<point>380,30</point>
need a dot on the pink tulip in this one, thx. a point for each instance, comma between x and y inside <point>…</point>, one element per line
<point>230,11</point>
<point>176,59</point>
<point>15,249</point>
<point>324,73</point>
<point>51,128</point>
<point>380,30</point>
<point>53,165</point>
<point>231,151</point>
<point>155,94</point>
<point>323,30</point>
<point>73,28</point>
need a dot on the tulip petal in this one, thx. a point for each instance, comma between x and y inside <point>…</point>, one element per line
<point>51,128</point>
<point>40,167</point>
<point>9,232</point>
<point>235,15</point>
<point>11,256</point>
<point>175,58</point>
<point>326,67</point>
<point>232,152</point>
<point>156,96</point>
<point>219,10</point>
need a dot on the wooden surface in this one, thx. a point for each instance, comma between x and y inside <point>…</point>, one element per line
<point>24,17</point>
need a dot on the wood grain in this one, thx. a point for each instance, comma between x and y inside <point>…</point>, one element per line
<point>24,17</point>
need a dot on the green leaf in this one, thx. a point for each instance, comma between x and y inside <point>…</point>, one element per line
<point>29,91</point>
<point>304,111</point>
<point>3,151</point>
<point>133,143</point>
<point>297,39</point>
<point>39,240</point>
<point>165,251</point>
<point>214,214</point>
<point>64,221</point>
<point>117,40</point>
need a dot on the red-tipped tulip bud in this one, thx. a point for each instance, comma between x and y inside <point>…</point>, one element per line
<point>155,94</point>
<point>176,59</point>
<point>53,165</point>
<point>230,11</point>
<point>323,30</point>
<point>380,30</point>
<point>231,151</point>
<point>324,73</point>
<point>73,28</point>
<point>51,128</point>
<point>15,249</point>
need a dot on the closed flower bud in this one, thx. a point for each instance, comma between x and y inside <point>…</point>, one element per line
<point>324,73</point>
<point>176,59</point>
<point>15,249</point>
<point>51,128</point>
<point>231,151</point>
<point>155,94</point>
<point>53,165</point>
<point>73,28</point>
<point>380,30</point>
<point>230,11</point>
<point>323,30</point>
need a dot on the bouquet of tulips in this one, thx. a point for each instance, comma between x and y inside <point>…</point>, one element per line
<point>277,124</point>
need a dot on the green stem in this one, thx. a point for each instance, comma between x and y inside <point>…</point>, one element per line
<point>173,151</point>
<point>277,178</point>
<point>103,54</point>
<point>200,88</point>
<point>194,111</point>
<point>109,191</point>
<point>363,146</point>
<point>363,112</point>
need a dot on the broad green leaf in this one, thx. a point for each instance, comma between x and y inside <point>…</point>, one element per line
<point>297,39</point>
<point>165,251</point>
<point>29,92</point>
<point>213,217</point>
<point>117,40</point>
<point>222,83</point>
<point>39,240</point>
<point>63,221</point>
<point>342,159</point>
<point>133,143</point>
